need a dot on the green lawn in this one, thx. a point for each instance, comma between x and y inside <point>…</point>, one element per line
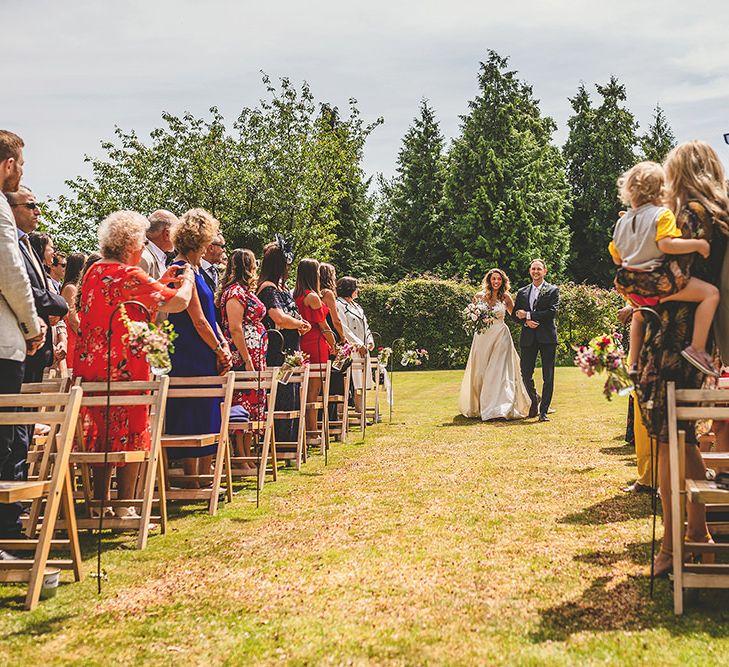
<point>439,540</point>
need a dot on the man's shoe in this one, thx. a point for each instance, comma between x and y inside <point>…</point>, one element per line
<point>544,418</point>
<point>533,410</point>
<point>6,555</point>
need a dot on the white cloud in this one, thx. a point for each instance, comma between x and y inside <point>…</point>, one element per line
<point>81,67</point>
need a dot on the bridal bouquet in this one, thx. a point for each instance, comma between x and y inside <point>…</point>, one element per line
<point>477,317</point>
<point>605,354</point>
<point>342,356</point>
<point>291,362</point>
<point>414,357</point>
<point>155,341</point>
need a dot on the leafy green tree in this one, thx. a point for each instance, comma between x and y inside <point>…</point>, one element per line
<point>601,145</point>
<point>506,192</point>
<point>419,242</point>
<point>279,170</point>
<point>659,140</point>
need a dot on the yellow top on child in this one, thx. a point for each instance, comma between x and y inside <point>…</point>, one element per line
<point>636,236</point>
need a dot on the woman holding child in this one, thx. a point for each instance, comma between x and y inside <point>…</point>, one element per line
<point>696,192</point>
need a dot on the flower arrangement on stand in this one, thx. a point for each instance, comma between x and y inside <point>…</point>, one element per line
<point>383,355</point>
<point>477,317</point>
<point>414,357</point>
<point>154,341</point>
<point>605,354</point>
<point>342,356</point>
<point>291,362</point>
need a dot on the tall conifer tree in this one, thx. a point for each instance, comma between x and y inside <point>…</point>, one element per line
<point>506,191</point>
<point>601,145</point>
<point>418,237</point>
<point>659,140</point>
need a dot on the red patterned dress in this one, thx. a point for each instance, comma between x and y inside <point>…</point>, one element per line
<point>105,286</point>
<point>256,341</point>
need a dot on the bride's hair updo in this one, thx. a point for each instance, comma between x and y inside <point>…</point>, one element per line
<point>488,291</point>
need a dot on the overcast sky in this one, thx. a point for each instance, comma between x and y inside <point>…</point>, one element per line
<point>73,69</point>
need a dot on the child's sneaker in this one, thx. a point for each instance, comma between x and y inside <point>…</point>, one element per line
<point>700,360</point>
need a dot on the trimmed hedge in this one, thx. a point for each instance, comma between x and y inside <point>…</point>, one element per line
<point>427,312</point>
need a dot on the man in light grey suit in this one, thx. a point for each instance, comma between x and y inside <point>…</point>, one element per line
<point>22,332</point>
<point>159,243</point>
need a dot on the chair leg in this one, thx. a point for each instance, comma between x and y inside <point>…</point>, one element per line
<point>69,514</point>
<point>44,544</point>
<point>228,472</point>
<point>162,491</point>
<point>217,476</point>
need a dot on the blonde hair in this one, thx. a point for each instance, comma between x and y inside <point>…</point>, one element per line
<point>488,290</point>
<point>196,229</point>
<point>694,171</point>
<point>642,184</point>
<point>121,232</point>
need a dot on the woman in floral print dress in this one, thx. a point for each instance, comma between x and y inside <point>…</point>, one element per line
<point>242,316</point>
<point>113,280</point>
<point>697,194</point>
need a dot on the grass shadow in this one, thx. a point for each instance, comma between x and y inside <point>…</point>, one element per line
<point>39,627</point>
<point>622,450</point>
<point>625,605</point>
<point>623,507</point>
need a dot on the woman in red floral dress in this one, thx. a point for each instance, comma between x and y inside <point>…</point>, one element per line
<point>107,284</point>
<point>242,314</point>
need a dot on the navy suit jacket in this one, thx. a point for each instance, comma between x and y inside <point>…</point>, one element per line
<point>545,310</point>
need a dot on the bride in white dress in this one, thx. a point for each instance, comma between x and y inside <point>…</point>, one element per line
<point>492,387</point>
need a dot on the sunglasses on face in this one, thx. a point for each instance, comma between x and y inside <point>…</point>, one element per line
<point>29,205</point>
<point>219,245</point>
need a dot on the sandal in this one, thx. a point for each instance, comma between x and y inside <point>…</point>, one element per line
<point>95,513</point>
<point>663,564</point>
<point>127,513</point>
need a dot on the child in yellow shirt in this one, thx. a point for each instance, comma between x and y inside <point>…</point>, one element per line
<point>641,240</point>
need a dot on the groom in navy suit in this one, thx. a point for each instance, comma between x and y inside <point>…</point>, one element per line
<point>535,308</point>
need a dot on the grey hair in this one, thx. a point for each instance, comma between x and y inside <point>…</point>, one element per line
<point>120,232</point>
<point>160,220</point>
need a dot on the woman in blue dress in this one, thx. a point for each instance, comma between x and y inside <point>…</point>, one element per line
<point>200,348</point>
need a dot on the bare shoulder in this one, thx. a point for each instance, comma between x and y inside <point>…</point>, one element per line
<point>312,300</point>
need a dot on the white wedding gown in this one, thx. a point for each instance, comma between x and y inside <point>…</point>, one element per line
<point>492,386</point>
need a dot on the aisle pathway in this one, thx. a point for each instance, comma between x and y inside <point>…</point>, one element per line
<point>436,541</point>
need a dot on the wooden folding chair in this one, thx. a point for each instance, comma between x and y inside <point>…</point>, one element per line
<point>53,486</point>
<point>125,394</point>
<point>38,442</point>
<point>360,368</point>
<point>213,386</point>
<point>373,410</point>
<point>339,406</point>
<point>692,405</point>
<point>321,405</point>
<point>295,450</point>
<point>264,451</point>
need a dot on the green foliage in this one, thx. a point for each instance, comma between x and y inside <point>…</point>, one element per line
<point>601,145</point>
<point>423,310</point>
<point>284,167</point>
<point>418,243</point>
<point>428,311</point>
<point>659,140</point>
<point>506,192</point>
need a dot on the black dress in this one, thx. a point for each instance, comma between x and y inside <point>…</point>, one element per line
<point>287,396</point>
